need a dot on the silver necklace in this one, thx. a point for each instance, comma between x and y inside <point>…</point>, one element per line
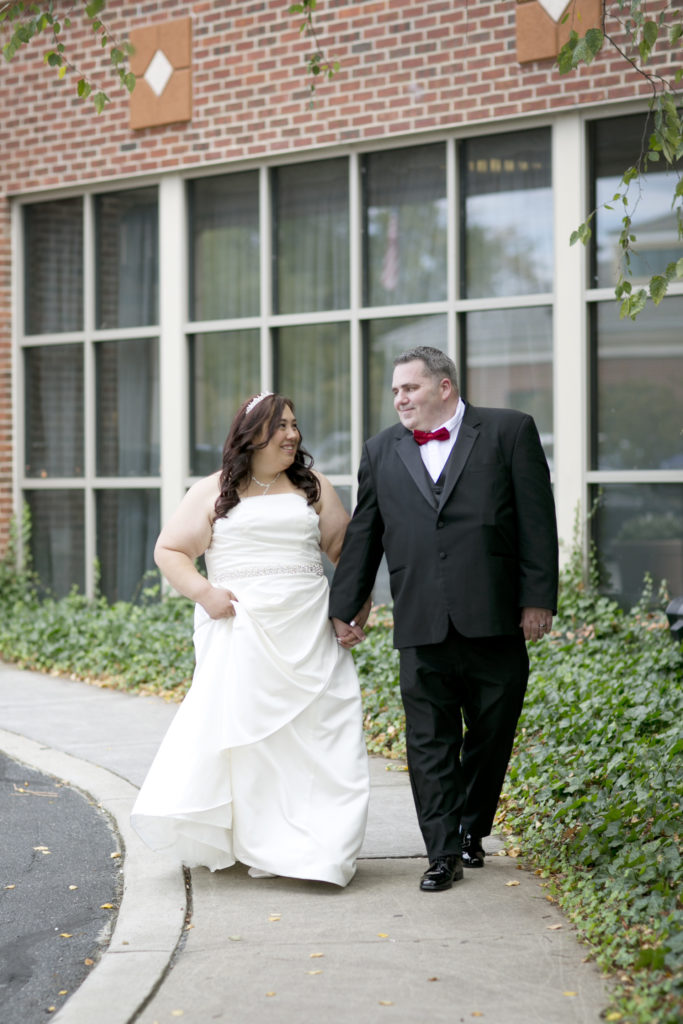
<point>266,487</point>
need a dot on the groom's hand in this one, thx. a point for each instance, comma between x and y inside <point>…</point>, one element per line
<point>348,633</point>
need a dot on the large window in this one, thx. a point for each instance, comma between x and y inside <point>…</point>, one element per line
<point>91,390</point>
<point>225,243</point>
<point>636,449</point>
<point>309,277</point>
<point>507,222</point>
<point>406,221</point>
<point>311,236</point>
<point>507,251</point>
<point>53,270</point>
<point>616,145</point>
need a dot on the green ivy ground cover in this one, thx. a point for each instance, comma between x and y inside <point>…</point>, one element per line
<point>595,788</point>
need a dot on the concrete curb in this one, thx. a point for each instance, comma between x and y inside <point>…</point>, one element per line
<point>151,917</point>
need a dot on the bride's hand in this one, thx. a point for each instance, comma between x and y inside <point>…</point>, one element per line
<point>218,603</point>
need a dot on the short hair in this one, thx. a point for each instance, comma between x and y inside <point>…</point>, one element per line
<point>436,363</point>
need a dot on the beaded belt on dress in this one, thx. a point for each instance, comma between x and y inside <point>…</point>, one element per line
<point>294,569</point>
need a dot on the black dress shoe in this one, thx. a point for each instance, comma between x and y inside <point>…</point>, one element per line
<point>441,874</point>
<point>472,851</point>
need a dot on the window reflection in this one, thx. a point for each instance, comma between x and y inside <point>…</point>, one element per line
<point>405,225</point>
<point>224,370</point>
<point>638,384</point>
<point>313,369</point>
<point>128,408</point>
<point>616,145</point>
<point>224,228</point>
<point>384,340</point>
<point>127,266</point>
<point>54,410</point>
<point>58,539</point>
<point>508,214</point>
<point>638,528</point>
<point>510,363</point>
<point>311,245</point>
<point>53,283</point>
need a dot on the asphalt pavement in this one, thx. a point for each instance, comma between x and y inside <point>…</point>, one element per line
<point>61,884</point>
<point>201,947</point>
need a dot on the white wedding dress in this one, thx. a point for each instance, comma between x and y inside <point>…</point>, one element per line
<point>265,761</point>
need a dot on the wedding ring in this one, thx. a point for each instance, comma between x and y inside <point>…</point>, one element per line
<point>352,622</point>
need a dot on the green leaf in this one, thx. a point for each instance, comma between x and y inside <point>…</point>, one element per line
<point>650,33</point>
<point>93,8</point>
<point>100,100</point>
<point>658,288</point>
<point>83,88</point>
<point>633,305</point>
<point>675,33</point>
<point>129,81</point>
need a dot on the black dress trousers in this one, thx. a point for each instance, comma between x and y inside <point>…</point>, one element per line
<point>456,779</point>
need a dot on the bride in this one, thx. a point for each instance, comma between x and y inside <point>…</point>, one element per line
<point>265,761</point>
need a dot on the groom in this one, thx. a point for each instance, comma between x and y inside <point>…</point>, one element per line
<point>459,500</point>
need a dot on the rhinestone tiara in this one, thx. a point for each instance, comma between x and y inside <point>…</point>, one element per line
<point>258,398</point>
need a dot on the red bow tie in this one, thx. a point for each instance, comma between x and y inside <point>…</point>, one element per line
<point>422,436</point>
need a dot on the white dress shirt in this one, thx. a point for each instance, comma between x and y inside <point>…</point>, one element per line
<point>435,453</point>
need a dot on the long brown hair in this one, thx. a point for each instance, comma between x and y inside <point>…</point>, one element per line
<point>241,443</point>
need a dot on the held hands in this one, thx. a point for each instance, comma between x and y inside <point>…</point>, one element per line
<point>348,634</point>
<point>536,623</point>
<point>218,603</point>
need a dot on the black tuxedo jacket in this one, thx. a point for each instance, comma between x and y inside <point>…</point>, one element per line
<point>477,554</point>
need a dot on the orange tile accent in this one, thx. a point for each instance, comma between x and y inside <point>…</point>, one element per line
<point>536,33</point>
<point>541,38</point>
<point>174,39</point>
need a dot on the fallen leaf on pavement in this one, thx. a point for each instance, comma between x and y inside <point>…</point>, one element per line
<point>10,887</point>
<point>313,955</point>
<point>385,1002</point>
<point>106,906</point>
<point>115,854</point>
<point>314,972</point>
<point>73,887</point>
<point>383,935</point>
<point>270,993</point>
<point>569,993</point>
<point>553,927</point>
<point>88,962</point>
<point>65,935</point>
<point>515,882</point>
<point>614,1015</point>
<point>235,938</point>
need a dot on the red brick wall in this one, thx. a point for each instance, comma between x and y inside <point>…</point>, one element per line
<point>405,67</point>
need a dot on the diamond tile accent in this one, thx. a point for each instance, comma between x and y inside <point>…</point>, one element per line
<point>555,8</point>
<point>158,72</point>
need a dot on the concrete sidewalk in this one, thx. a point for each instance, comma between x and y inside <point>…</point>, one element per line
<point>240,950</point>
